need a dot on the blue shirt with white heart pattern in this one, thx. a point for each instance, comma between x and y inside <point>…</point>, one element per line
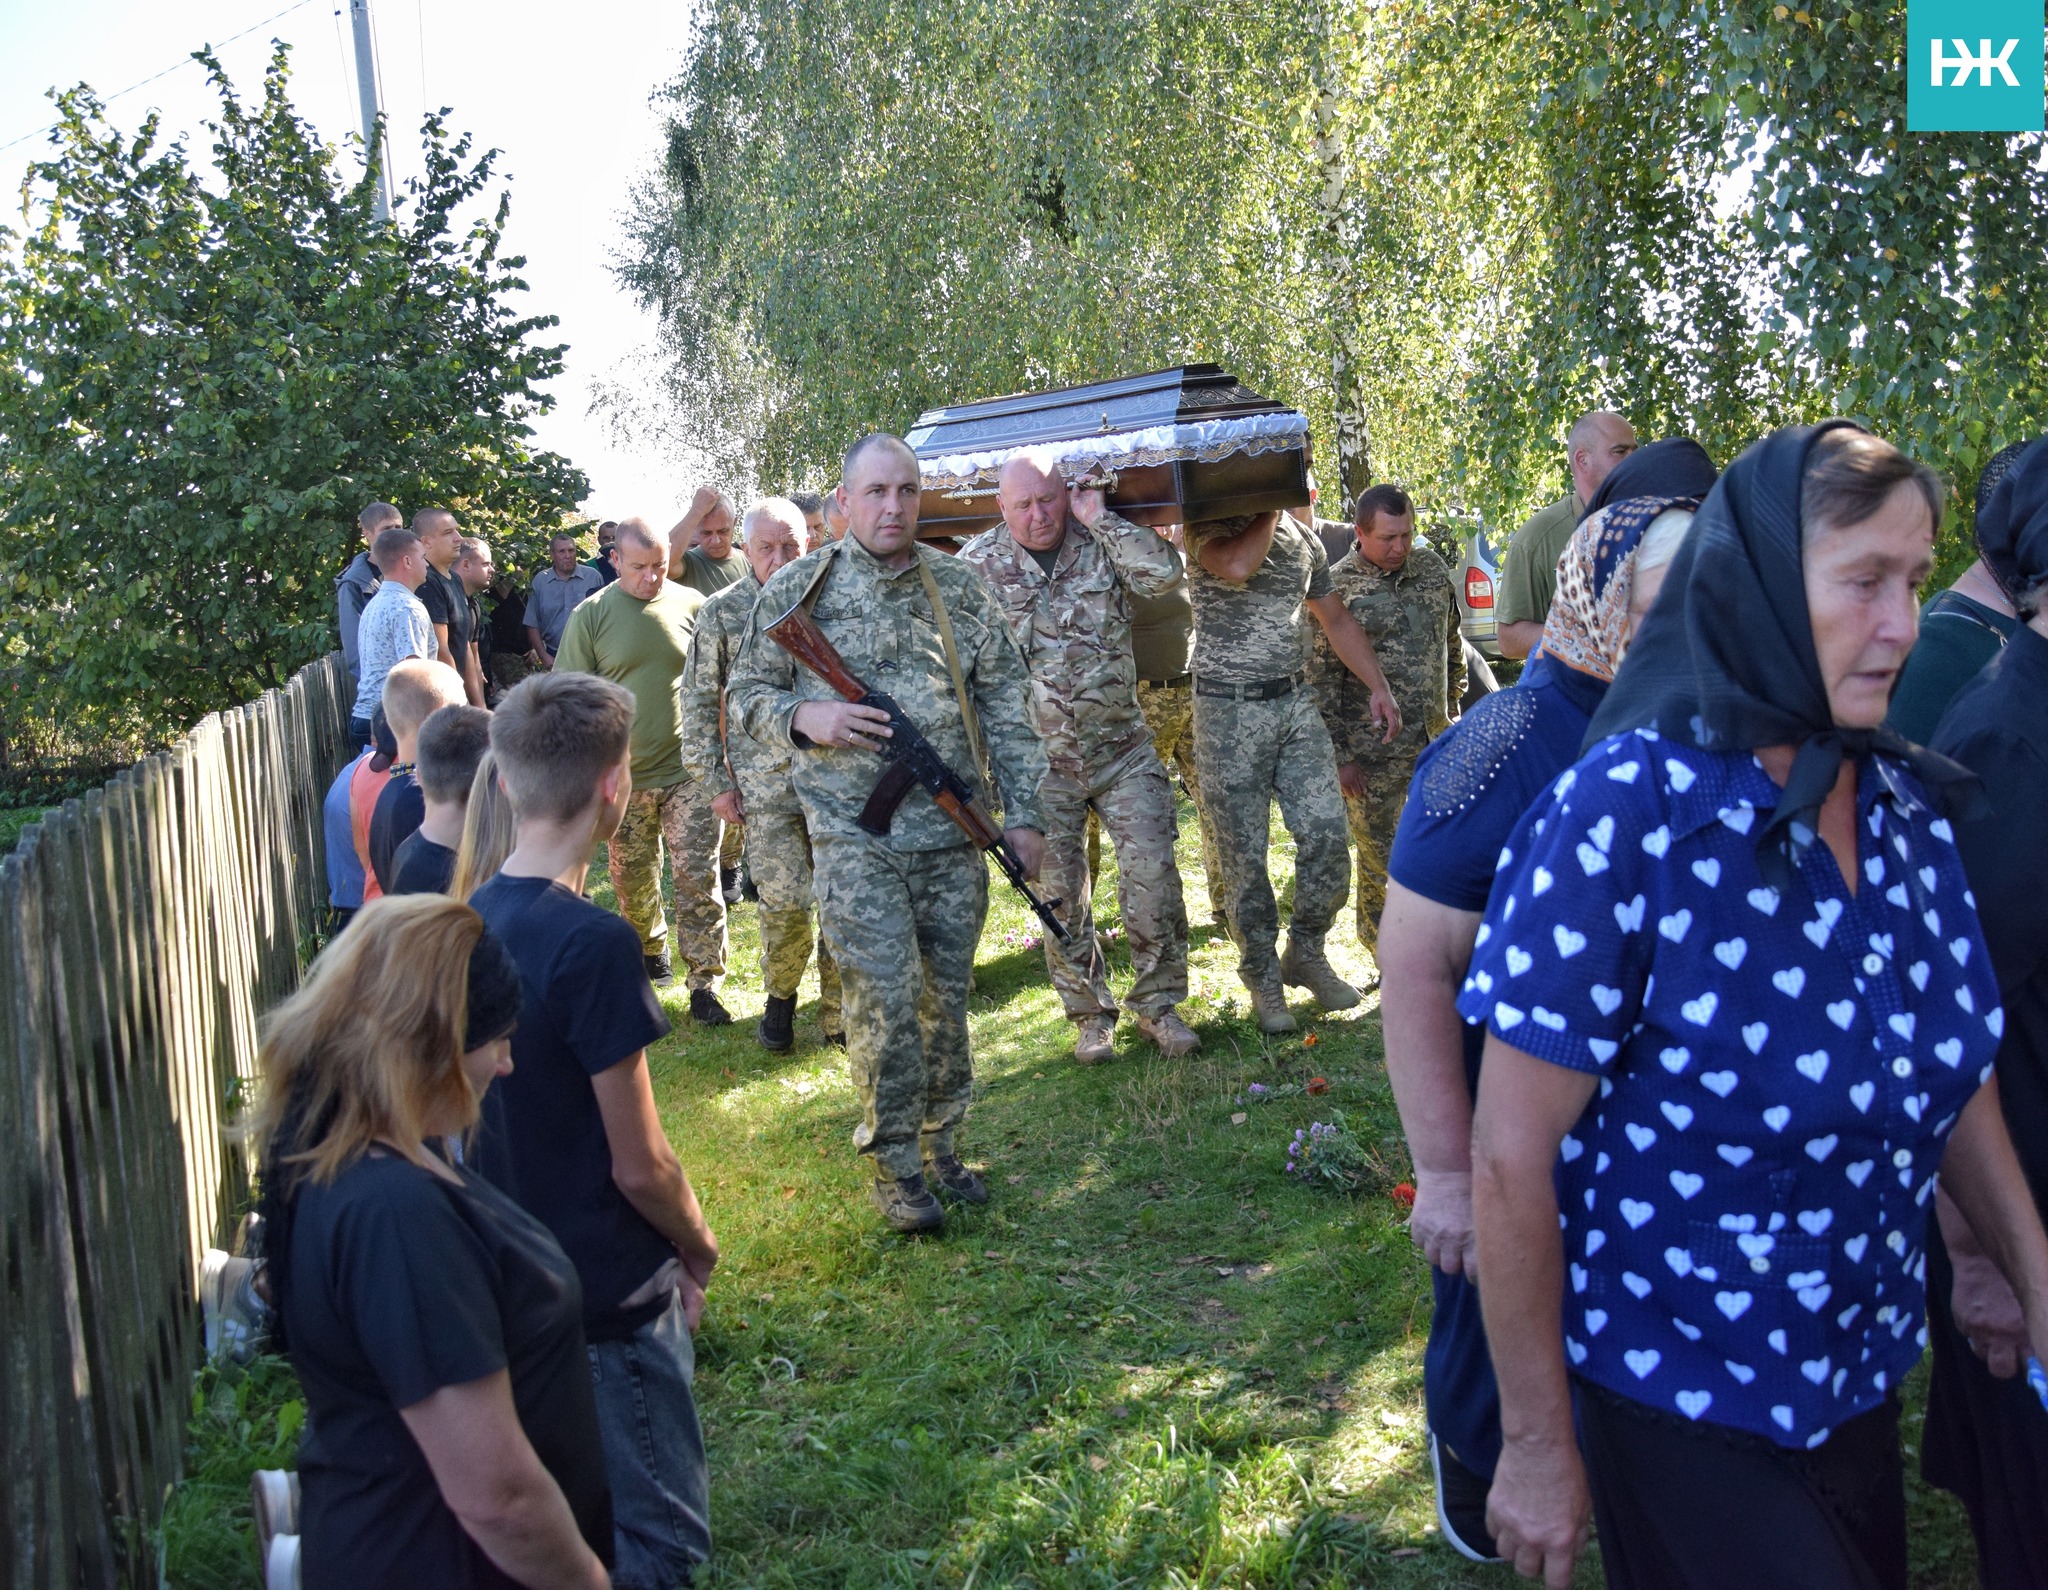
<point>1746,1197</point>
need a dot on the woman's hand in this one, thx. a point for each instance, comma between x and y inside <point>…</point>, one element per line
<point>1540,1511</point>
<point>1988,1314</point>
<point>1441,1225</point>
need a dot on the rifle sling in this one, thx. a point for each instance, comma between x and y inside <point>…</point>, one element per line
<point>967,718</point>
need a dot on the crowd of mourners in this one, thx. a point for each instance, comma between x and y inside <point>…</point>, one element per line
<point>1709,957</point>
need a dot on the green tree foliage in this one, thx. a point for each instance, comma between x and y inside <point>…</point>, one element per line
<point>205,374</point>
<point>1442,230</point>
<point>869,208</point>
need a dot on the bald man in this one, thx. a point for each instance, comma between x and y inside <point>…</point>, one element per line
<point>1528,576</point>
<point>446,600</point>
<point>749,783</point>
<point>903,911</point>
<point>1065,570</point>
<point>636,632</point>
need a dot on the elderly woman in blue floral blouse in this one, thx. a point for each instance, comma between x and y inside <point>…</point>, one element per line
<point>1739,1010</point>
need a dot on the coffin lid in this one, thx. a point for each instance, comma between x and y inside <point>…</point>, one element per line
<point>1189,414</point>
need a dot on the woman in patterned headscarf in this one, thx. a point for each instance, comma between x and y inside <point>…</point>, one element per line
<point>1471,786</point>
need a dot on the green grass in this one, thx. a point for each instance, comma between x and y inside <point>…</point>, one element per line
<point>1153,1359</point>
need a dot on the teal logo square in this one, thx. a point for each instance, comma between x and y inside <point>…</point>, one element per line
<point>1973,66</point>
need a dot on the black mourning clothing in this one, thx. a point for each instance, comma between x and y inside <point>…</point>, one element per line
<point>403,1284</point>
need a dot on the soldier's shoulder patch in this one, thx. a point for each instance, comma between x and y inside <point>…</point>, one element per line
<point>1475,750</point>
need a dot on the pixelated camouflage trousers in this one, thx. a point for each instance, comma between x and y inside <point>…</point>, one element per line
<point>1373,818</point>
<point>1134,802</point>
<point>903,926</point>
<point>677,821</point>
<point>778,852</point>
<point>1251,753</point>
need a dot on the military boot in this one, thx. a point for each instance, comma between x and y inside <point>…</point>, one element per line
<point>907,1203</point>
<point>1094,1039</point>
<point>1269,1005</point>
<point>1172,1036</point>
<point>955,1180</point>
<point>777,1030</point>
<point>1304,965</point>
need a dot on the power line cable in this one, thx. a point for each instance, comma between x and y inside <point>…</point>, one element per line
<point>297,5</point>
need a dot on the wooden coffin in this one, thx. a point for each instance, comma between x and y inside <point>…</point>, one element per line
<point>1174,447</point>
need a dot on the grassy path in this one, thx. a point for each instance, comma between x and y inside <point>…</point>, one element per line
<point>1154,1359</point>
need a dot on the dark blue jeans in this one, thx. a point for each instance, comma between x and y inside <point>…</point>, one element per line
<point>1457,1377</point>
<point>653,1452</point>
<point>359,733</point>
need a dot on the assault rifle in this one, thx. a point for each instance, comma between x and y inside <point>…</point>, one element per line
<point>912,760</point>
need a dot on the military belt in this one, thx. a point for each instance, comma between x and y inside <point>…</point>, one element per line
<point>1258,690</point>
<point>1166,684</point>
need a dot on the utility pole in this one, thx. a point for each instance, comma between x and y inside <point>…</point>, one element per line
<point>369,88</point>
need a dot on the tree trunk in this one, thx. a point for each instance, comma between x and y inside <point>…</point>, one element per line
<point>1337,233</point>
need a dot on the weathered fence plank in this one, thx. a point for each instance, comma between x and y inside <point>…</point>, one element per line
<point>144,931</point>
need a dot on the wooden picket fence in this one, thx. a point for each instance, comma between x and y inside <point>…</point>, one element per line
<point>143,930</point>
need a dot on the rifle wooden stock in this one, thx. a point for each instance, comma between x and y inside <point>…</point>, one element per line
<point>797,633</point>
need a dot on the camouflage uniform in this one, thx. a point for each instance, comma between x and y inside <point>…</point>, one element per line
<point>643,646</point>
<point>1411,618</point>
<point>1074,627</point>
<point>723,757</point>
<point>903,912</point>
<point>1257,737</point>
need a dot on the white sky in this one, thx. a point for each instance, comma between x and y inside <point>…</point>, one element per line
<point>563,91</point>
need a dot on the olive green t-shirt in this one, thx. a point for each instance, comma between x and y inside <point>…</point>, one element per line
<point>643,646</point>
<point>1528,576</point>
<point>1163,633</point>
<point>707,575</point>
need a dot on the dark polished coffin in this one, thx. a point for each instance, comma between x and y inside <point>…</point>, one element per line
<point>1173,447</point>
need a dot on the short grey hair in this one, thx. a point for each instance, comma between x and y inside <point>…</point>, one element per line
<point>636,532</point>
<point>773,510</point>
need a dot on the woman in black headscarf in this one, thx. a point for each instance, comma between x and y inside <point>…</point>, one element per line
<point>1987,1433</point>
<point>1737,1012</point>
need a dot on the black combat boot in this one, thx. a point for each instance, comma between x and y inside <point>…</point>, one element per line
<point>777,1031</point>
<point>659,972</point>
<point>955,1180</point>
<point>706,1011</point>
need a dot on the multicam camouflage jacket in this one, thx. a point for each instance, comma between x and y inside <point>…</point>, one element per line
<point>1411,618</point>
<point>1074,627</point>
<point>882,623</point>
<point>715,748</point>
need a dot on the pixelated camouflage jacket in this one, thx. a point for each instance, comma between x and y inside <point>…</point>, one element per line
<point>882,624</point>
<point>1411,618</point>
<point>715,748</point>
<point>1074,628</point>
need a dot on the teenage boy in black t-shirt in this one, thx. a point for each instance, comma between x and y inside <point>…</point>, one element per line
<point>446,598</point>
<point>573,1133</point>
<point>452,742</point>
<point>414,691</point>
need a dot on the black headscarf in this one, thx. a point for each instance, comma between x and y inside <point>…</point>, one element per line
<point>1675,467</point>
<point>1726,658</point>
<point>2012,528</point>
